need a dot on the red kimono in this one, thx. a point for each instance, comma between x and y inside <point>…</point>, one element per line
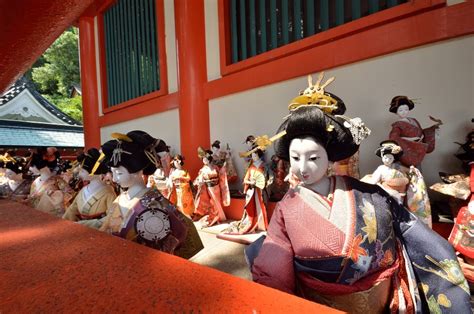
<point>413,151</point>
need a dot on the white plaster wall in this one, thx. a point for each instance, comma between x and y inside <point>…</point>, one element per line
<point>170,43</point>
<point>212,39</point>
<point>163,125</point>
<point>440,74</point>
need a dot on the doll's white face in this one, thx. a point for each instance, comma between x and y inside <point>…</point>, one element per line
<point>177,164</point>
<point>84,174</point>
<point>34,170</point>
<point>255,157</point>
<point>402,111</point>
<point>308,160</point>
<point>215,150</point>
<point>122,177</point>
<point>388,159</point>
<point>205,161</point>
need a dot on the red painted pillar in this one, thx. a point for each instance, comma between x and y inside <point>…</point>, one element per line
<point>192,75</point>
<point>90,94</point>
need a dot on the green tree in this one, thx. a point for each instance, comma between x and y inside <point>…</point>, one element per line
<point>57,70</point>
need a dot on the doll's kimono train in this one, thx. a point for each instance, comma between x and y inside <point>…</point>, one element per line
<point>141,214</point>
<point>345,243</point>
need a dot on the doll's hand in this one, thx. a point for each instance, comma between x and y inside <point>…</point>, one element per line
<point>292,179</point>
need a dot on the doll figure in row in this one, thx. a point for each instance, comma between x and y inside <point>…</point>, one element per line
<point>92,201</point>
<point>256,180</point>
<point>415,141</point>
<point>49,192</point>
<point>224,158</point>
<point>141,214</point>
<point>159,181</point>
<point>179,184</point>
<point>406,185</point>
<point>344,243</point>
<point>15,187</point>
<point>212,191</point>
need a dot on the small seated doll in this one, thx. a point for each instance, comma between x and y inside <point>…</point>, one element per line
<point>415,141</point>
<point>391,175</point>
<point>256,180</point>
<point>224,158</point>
<point>93,200</point>
<point>180,187</point>
<point>141,214</point>
<point>212,191</point>
<point>49,193</point>
<point>345,243</point>
<point>16,188</point>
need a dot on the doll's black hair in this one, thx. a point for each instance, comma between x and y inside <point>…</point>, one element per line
<point>17,166</point>
<point>38,160</point>
<point>132,155</point>
<point>383,150</point>
<point>216,144</point>
<point>398,101</point>
<point>88,160</point>
<point>208,155</point>
<point>179,158</point>
<point>326,129</point>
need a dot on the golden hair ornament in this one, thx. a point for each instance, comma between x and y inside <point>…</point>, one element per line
<point>262,143</point>
<point>97,163</point>
<point>121,137</point>
<point>315,96</point>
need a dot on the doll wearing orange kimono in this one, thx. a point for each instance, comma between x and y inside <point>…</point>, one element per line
<point>179,184</point>
<point>255,213</point>
<point>213,191</point>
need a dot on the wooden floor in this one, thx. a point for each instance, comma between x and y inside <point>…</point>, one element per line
<point>50,265</point>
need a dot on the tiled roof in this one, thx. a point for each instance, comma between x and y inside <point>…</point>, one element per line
<point>23,84</point>
<point>29,134</point>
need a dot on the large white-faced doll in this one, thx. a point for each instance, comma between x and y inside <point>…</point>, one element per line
<point>93,200</point>
<point>415,141</point>
<point>345,243</point>
<point>49,192</point>
<point>212,191</point>
<point>16,187</point>
<point>141,214</point>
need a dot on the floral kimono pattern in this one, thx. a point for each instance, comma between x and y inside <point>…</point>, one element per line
<point>92,209</point>
<point>183,239</point>
<point>413,151</point>
<point>181,193</point>
<point>21,192</point>
<point>213,193</point>
<point>52,196</point>
<point>358,251</point>
<point>255,212</point>
<point>417,200</point>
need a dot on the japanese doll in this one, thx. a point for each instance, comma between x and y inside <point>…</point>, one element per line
<point>406,185</point>
<point>92,201</point>
<point>415,141</point>
<point>15,187</point>
<point>256,179</point>
<point>141,214</point>
<point>180,187</point>
<point>49,192</point>
<point>342,242</point>
<point>159,181</point>
<point>212,191</point>
<point>223,158</point>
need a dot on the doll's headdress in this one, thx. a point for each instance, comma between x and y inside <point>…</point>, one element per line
<point>398,101</point>
<point>389,147</point>
<point>262,143</point>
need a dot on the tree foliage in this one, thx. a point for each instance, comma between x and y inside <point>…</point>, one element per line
<point>57,70</point>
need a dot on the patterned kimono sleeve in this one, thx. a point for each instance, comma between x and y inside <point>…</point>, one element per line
<point>273,266</point>
<point>443,288</point>
<point>72,211</point>
<point>429,137</point>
